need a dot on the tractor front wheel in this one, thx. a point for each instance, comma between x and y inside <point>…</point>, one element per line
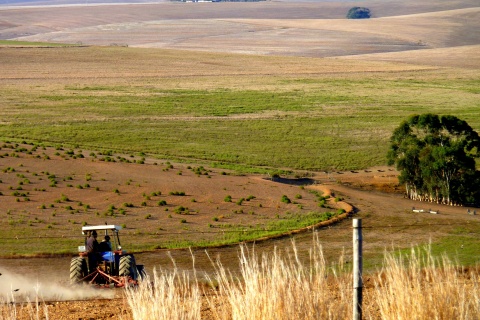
<point>78,270</point>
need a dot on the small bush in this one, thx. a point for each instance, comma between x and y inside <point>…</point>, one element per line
<point>358,13</point>
<point>228,198</point>
<point>286,199</point>
<point>162,203</point>
<point>180,210</point>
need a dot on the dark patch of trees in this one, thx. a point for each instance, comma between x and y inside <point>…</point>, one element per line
<point>358,13</point>
<point>436,159</point>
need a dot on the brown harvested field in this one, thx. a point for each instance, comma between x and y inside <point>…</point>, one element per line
<point>312,29</point>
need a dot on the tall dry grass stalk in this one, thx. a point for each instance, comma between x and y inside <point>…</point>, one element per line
<point>10,309</point>
<point>422,287</point>
<point>168,295</point>
<point>274,287</point>
<point>281,286</point>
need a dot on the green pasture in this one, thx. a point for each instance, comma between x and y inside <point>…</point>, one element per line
<point>303,122</point>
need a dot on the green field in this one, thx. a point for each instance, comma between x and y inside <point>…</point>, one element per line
<point>297,119</point>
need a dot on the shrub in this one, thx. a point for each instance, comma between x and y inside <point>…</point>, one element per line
<point>180,210</point>
<point>286,199</point>
<point>162,203</point>
<point>358,13</point>
<point>228,198</point>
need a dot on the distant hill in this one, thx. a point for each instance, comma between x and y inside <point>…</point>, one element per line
<point>293,28</point>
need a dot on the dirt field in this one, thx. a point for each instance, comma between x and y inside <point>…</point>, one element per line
<point>375,194</point>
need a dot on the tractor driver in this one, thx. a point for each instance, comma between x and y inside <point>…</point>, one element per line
<point>105,245</point>
<point>92,250</point>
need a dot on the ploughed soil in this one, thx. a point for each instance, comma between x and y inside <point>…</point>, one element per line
<point>372,194</point>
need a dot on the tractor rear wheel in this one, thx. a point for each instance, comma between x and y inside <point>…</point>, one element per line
<point>78,270</point>
<point>128,267</point>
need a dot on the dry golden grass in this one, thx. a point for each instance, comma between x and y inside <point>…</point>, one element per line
<point>170,295</point>
<point>424,287</point>
<point>279,286</point>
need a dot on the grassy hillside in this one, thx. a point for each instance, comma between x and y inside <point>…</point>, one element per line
<point>280,112</point>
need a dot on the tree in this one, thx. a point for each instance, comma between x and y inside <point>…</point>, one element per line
<point>358,13</point>
<point>436,159</point>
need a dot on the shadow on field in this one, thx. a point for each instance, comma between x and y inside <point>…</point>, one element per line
<point>295,181</point>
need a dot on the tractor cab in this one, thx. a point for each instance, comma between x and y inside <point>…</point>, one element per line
<point>107,248</point>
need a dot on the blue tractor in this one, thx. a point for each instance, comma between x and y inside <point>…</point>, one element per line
<point>104,263</point>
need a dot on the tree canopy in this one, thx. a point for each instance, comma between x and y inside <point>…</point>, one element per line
<point>436,159</point>
<point>358,13</point>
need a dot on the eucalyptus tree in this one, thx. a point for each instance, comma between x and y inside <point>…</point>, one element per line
<point>436,159</point>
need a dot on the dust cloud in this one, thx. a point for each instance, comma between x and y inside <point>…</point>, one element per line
<point>18,288</point>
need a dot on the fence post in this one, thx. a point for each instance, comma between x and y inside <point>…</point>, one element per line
<point>357,269</point>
